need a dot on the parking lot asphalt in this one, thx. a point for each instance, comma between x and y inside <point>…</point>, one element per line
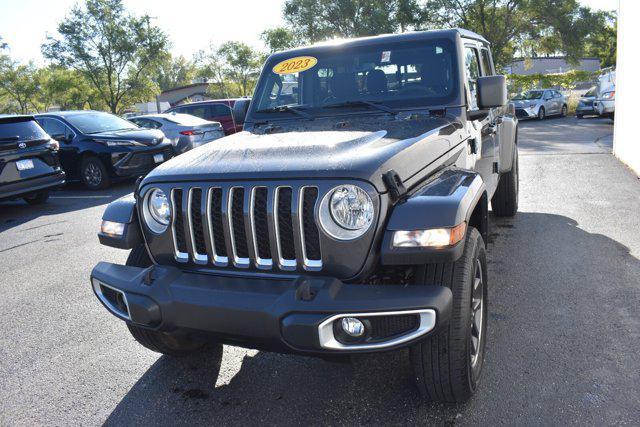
<point>564,324</point>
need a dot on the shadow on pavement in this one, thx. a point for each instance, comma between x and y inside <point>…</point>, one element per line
<point>552,357</point>
<point>71,197</point>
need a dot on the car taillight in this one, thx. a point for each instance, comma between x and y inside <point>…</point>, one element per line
<point>190,132</point>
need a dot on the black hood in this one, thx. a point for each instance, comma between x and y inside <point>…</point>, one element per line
<point>148,137</point>
<point>354,148</point>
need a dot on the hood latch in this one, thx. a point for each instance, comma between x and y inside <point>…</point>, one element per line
<point>394,184</point>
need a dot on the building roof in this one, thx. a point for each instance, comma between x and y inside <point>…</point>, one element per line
<point>185,87</point>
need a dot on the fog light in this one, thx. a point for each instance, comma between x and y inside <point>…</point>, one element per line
<point>352,326</point>
<point>110,228</point>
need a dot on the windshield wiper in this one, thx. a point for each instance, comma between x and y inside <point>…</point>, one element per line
<point>286,108</point>
<point>359,103</point>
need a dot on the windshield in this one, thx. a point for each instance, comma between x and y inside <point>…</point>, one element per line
<point>591,92</point>
<point>97,122</point>
<point>532,94</point>
<point>399,75</point>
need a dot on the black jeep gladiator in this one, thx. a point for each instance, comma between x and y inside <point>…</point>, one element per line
<point>350,215</point>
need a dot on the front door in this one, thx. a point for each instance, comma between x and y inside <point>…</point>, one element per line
<point>485,129</point>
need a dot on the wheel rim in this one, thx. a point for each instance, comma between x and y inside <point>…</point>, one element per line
<point>92,174</point>
<point>541,113</point>
<point>564,111</point>
<point>477,314</point>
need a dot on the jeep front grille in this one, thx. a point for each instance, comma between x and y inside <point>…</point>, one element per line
<point>244,226</point>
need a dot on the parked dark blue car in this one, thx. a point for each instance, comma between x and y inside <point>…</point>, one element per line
<point>98,148</point>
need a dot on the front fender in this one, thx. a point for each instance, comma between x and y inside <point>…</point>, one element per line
<point>123,211</point>
<point>444,202</point>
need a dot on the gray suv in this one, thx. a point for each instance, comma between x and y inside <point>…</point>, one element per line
<point>539,104</point>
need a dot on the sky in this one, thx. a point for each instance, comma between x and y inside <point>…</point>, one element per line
<point>191,26</point>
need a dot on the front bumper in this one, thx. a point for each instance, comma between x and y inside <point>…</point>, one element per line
<point>604,106</point>
<point>285,314</point>
<point>526,113</point>
<point>141,162</point>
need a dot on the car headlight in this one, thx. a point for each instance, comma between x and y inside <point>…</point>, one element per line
<point>346,212</point>
<point>117,143</point>
<point>609,95</point>
<point>157,211</point>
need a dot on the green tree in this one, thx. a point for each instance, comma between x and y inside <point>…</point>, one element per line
<point>113,49</point>
<point>210,68</point>
<point>66,88</point>
<point>603,43</point>
<point>173,72</point>
<point>19,86</point>
<point>315,20</point>
<point>501,22</point>
<point>279,38</point>
<point>242,65</point>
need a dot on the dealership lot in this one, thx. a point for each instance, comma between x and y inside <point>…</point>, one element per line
<point>564,323</point>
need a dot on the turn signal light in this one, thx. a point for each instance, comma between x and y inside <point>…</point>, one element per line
<point>434,237</point>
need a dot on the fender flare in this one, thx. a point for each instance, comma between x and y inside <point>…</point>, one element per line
<point>123,211</point>
<point>444,202</point>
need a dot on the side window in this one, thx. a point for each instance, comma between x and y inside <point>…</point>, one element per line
<point>547,95</point>
<point>54,127</point>
<point>220,110</point>
<point>486,63</point>
<point>472,68</point>
<point>196,110</point>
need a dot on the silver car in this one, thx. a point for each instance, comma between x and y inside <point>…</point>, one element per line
<point>184,130</point>
<point>539,104</point>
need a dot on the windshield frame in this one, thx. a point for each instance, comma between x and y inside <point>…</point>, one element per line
<point>455,98</point>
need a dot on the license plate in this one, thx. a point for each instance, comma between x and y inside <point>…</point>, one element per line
<point>158,158</point>
<point>23,165</point>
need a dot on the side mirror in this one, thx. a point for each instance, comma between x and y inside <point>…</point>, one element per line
<point>492,92</point>
<point>60,137</point>
<point>240,108</point>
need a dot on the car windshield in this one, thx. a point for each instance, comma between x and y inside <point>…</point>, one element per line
<point>385,77</point>
<point>186,119</point>
<point>21,130</point>
<point>591,92</point>
<point>97,122</point>
<point>532,94</point>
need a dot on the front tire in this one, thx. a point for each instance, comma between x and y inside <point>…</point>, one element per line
<point>541,114</point>
<point>170,344</point>
<point>505,200</point>
<point>37,198</point>
<point>93,174</point>
<point>563,112</point>
<point>447,366</point>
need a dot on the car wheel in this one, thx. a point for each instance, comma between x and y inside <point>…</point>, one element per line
<point>174,344</point>
<point>579,116</point>
<point>93,174</point>
<point>505,200</point>
<point>563,112</point>
<point>541,113</point>
<point>37,198</point>
<point>447,366</point>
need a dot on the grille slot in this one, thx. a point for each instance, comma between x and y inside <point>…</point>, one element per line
<point>216,230</point>
<point>179,241</point>
<point>311,236</point>
<point>260,227</point>
<point>195,226</point>
<point>252,226</point>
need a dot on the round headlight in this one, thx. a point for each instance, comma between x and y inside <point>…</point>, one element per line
<point>157,210</point>
<point>351,207</point>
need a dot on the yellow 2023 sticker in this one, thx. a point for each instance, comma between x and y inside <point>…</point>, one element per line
<point>295,65</point>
